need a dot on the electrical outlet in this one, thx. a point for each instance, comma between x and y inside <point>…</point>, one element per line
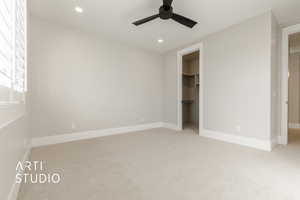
<point>73,126</point>
<point>238,128</point>
<point>25,143</point>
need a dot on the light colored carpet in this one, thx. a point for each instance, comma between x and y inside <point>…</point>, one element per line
<point>161,164</point>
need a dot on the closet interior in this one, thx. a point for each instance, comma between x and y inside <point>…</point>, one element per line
<point>190,91</point>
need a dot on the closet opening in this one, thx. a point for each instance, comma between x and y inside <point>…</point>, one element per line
<point>190,92</point>
<point>293,89</point>
<point>190,73</point>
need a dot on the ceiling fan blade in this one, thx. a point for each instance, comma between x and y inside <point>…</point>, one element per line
<point>142,21</point>
<point>167,2</point>
<point>183,20</point>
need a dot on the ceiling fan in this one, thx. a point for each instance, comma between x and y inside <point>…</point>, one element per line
<point>166,12</point>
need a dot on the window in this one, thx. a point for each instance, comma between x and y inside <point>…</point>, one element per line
<point>12,50</point>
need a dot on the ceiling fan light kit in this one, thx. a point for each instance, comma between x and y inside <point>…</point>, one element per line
<point>165,13</point>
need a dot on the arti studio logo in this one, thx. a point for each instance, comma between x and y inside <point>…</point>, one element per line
<point>34,172</point>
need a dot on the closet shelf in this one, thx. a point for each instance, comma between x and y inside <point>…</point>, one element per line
<point>189,75</point>
<point>187,101</point>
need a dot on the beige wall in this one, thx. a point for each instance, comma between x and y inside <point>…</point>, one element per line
<point>237,80</point>
<point>13,146</point>
<point>275,78</point>
<point>81,82</point>
<point>14,142</point>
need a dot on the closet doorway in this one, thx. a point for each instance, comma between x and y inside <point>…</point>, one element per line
<point>290,119</point>
<point>294,89</point>
<point>190,89</point>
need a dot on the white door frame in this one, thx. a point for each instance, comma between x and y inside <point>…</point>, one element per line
<point>180,54</point>
<point>286,32</point>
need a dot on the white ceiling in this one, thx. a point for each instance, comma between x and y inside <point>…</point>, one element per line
<point>112,18</point>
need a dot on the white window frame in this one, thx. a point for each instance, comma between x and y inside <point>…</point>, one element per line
<point>12,90</point>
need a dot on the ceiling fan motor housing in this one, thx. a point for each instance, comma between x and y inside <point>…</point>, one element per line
<point>165,12</point>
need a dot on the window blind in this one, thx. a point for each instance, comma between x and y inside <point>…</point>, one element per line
<point>6,42</point>
<point>19,71</point>
<point>12,49</point>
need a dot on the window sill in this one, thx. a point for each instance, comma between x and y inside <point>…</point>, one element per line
<point>6,124</point>
<point>10,104</point>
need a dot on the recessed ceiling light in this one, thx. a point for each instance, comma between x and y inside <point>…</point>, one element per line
<point>78,9</point>
<point>160,40</point>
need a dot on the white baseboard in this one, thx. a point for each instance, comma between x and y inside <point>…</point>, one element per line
<point>49,140</point>
<point>265,145</point>
<point>171,126</point>
<point>13,194</point>
<point>294,125</point>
